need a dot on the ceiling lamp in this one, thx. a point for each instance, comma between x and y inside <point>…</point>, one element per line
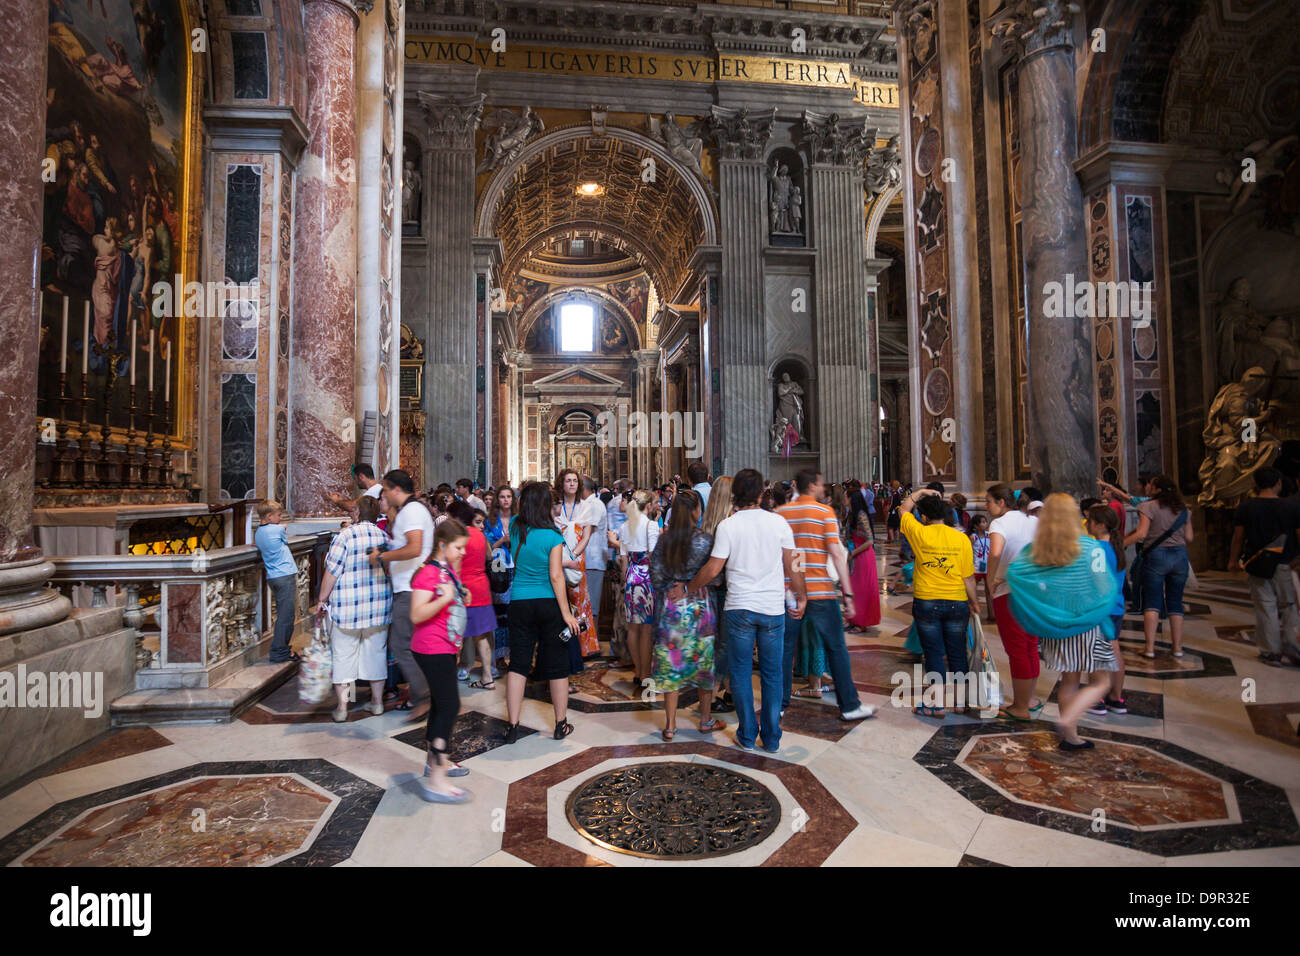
<point>590,190</point>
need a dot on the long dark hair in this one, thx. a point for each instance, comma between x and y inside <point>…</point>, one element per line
<point>534,510</point>
<point>1105,515</point>
<point>1167,493</point>
<point>681,529</point>
<point>856,507</point>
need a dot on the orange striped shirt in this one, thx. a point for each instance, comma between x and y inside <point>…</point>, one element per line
<point>815,531</point>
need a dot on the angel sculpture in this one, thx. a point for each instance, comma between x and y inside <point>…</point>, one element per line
<point>507,133</point>
<point>1267,164</point>
<point>685,144</point>
<point>884,168</point>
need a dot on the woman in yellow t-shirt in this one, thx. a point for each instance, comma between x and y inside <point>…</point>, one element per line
<point>943,587</point>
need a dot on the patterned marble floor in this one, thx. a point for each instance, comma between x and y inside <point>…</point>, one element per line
<point>1204,769</point>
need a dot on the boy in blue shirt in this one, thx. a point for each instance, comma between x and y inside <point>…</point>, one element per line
<point>281,574</point>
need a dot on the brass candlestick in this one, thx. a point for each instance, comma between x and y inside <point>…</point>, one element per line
<point>149,473</point>
<point>63,460</point>
<point>165,466</point>
<point>85,467</point>
<point>130,456</point>
<point>109,471</point>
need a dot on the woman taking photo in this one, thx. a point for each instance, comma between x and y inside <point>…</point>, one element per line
<point>685,629</point>
<point>1062,590</point>
<point>497,530</point>
<point>636,542</point>
<point>1160,568</point>
<point>360,598</point>
<point>481,619</point>
<point>863,577</point>
<point>539,609</point>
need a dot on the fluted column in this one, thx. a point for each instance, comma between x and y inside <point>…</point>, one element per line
<point>643,453</point>
<point>741,326</point>
<point>325,264</point>
<point>873,268</point>
<point>835,152</point>
<point>1062,405</point>
<point>25,602</point>
<point>451,357</point>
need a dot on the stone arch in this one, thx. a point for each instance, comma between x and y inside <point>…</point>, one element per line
<point>281,24</point>
<point>544,303</point>
<point>635,246</point>
<point>878,208</point>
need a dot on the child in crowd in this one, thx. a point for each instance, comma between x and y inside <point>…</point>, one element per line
<point>906,561</point>
<point>281,576</point>
<point>1104,525</point>
<point>438,613</point>
<point>979,540</point>
<point>963,516</point>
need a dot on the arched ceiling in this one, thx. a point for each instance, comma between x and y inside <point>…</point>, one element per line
<point>657,222</point>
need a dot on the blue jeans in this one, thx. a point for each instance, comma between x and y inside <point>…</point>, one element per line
<point>1164,575</point>
<point>744,630</point>
<point>941,626</point>
<point>284,590</point>
<point>824,615</point>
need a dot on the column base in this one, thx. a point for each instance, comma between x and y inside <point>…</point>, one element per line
<point>25,601</point>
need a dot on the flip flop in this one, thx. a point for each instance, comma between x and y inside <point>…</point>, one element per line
<point>432,796</point>
<point>1041,703</point>
<point>668,735</point>
<point>713,726</point>
<point>480,685</point>
<point>1005,714</point>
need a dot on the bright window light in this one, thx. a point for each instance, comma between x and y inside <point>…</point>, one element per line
<point>577,327</point>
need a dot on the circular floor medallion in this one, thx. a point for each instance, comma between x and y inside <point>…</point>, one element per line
<point>674,811</point>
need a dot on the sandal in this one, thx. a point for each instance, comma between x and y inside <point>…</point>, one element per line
<point>480,685</point>
<point>562,729</point>
<point>404,705</point>
<point>713,726</point>
<point>1034,710</point>
<point>669,734</point>
<point>926,710</point>
<point>808,693</point>
<point>1004,714</point>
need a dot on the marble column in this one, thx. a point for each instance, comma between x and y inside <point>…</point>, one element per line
<point>741,327</point>
<point>835,152</point>
<point>643,453</point>
<point>872,271</point>
<point>451,356</point>
<point>25,602</point>
<point>324,428</point>
<point>487,261</point>
<point>1062,406</point>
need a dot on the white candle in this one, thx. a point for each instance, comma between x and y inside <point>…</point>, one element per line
<point>85,341</point>
<point>133,327</point>
<point>63,351</point>
<point>167,376</point>
<point>151,331</point>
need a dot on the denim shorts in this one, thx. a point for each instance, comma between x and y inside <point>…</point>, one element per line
<point>1164,575</point>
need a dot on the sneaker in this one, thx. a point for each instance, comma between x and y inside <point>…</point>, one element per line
<point>743,746</point>
<point>1098,709</point>
<point>1272,660</point>
<point>462,674</point>
<point>1116,706</point>
<point>860,712</point>
<point>771,750</point>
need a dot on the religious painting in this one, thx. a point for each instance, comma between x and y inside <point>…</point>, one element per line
<point>115,181</point>
<point>613,337</point>
<point>632,294</point>
<point>541,337</point>
<point>522,294</point>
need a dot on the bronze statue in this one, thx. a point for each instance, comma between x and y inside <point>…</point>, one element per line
<point>1237,443</point>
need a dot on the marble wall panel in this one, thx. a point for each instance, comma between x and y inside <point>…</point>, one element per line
<point>184,624</point>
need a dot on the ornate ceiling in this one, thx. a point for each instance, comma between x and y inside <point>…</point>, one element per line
<point>656,223</point>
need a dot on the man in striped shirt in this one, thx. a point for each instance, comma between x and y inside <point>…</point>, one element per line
<point>817,542</point>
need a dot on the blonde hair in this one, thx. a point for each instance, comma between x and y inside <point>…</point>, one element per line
<point>719,506</point>
<point>268,507</point>
<point>1056,541</point>
<point>636,505</point>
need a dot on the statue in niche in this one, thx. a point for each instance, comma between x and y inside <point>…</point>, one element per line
<point>789,404</point>
<point>411,183</point>
<point>1240,410</point>
<point>1245,339</point>
<point>884,168</point>
<point>507,133</point>
<point>779,190</point>
<point>685,144</point>
<point>796,209</point>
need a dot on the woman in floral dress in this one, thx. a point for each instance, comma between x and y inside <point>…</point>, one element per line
<point>684,630</point>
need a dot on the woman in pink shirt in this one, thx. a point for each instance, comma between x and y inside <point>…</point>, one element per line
<point>438,613</point>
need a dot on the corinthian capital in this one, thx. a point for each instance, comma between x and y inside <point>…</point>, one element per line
<point>452,119</point>
<point>1030,25</point>
<point>834,142</point>
<point>740,134</point>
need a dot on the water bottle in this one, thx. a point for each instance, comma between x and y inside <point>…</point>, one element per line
<point>790,603</point>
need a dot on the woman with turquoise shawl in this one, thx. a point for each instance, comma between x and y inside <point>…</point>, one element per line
<point>1062,590</point>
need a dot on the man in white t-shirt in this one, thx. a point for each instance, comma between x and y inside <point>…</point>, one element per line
<point>465,492</point>
<point>1009,532</point>
<point>412,540</point>
<point>364,476</point>
<point>592,513</point>
<point>757,549</point>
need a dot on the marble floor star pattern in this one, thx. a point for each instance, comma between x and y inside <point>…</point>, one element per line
<point>1204,768</point>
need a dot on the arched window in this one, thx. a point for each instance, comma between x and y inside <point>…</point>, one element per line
<point>577,327</point>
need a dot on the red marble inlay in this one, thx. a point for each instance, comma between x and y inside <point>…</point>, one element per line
<point>184,623</point>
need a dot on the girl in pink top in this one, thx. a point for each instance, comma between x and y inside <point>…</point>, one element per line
<point>436,595</point>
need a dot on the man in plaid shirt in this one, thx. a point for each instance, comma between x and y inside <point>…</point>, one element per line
<point>360,600</point>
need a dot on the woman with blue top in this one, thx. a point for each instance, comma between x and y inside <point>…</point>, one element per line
<point>1104,525</point>
<point>541,624</point>
<point>1062,590</point>
<point>497,529</point>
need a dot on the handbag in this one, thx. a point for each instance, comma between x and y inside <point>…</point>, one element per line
<point>572,576</point>
<point>988,682</point>
<point>1135,572</point>
<point>316,670</point>
<point>457,616</point>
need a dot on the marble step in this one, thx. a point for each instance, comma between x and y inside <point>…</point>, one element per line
<point>221,703</point>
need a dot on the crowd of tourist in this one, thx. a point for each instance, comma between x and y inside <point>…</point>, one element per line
<point>707,581</point>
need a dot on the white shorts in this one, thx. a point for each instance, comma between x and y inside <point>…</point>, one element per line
<point>359,653</point>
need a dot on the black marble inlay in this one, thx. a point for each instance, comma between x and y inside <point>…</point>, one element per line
<point>1212,665</point>
<point>243,220</point>
<point>597,691</point>
<point>1267,819</point>
<point>674,810</point>
<point>244,8</point>
<point>334,843</point>
<point>251,73</point>
<point>968,860</point>
<point>1138,702</point>
<point>238,434</point>
<point>473,734</point>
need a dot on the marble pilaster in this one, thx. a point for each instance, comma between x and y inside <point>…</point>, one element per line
<point>487,261</point>
<point>451,355</point>
<point>872,275</point>
<point>643,454</point>
<point>740,330</point>
<point>325,268</point>
<point>25,602</point>
<point>1062,404</point>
